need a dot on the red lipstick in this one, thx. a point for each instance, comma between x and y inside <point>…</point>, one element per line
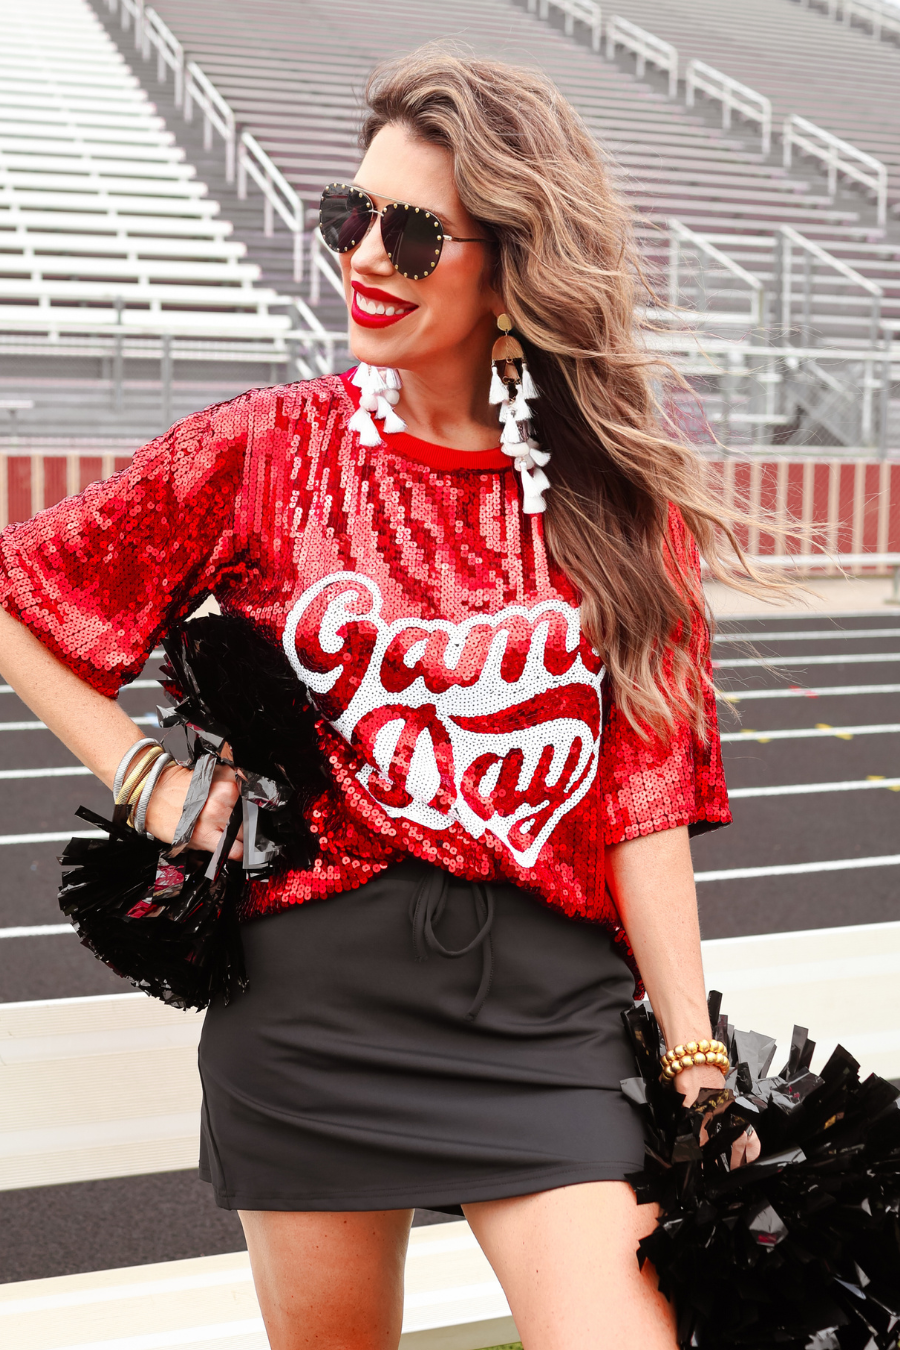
<point>365,320</point>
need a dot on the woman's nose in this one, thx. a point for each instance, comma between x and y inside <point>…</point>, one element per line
<point>371,255</point>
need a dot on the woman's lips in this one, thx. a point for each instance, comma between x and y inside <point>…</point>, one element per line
<point>377,300</point>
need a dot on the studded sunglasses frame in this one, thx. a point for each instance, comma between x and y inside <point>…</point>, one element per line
<point>392,236</point>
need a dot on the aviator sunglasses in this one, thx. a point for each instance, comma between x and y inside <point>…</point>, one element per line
<point>412,237</point>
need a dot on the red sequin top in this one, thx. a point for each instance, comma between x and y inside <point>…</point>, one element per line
<point>465,718</point>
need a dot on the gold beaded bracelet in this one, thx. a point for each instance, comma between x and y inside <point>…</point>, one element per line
<point>694,1053</point>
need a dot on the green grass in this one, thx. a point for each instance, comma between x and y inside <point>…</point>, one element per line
<point>516,1345</point>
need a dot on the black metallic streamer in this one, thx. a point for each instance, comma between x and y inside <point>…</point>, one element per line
<point>164,916</point>
<point>800,1249</point>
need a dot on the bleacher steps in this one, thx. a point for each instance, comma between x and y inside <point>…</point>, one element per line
<point>453,1302</point>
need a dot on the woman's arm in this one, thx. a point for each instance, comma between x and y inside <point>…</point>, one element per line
<point>652,884</point>
<point>99,733</point>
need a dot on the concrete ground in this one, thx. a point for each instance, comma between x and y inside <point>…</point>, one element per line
<point>822,595</point>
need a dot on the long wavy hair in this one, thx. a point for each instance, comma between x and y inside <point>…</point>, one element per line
<point>570,274</point>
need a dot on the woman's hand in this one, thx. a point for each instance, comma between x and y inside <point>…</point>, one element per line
<point>690,1082</point>
<point>164,811</point>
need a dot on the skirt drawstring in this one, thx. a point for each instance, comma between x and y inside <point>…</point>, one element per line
<point>426,908</point>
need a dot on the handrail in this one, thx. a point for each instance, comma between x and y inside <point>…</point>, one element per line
<point>587,12</point>
<point>839,157</point>
<point>200,89</point>
<point>278,193</point>
<point>320,267</point>
<point>680,233</point>
<point>131,9</point>
<point>876,12</point>
<point>733,95</point>
<point>786,241</point>
<point>646,46</point>
<point>169,51</point>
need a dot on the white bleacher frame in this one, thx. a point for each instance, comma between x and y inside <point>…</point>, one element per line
<point>838,156</point>
<point>277,193</point>
<point>646,46</point>
<point>878,15</point>
<point>587,12</point>
<point>243,154</point>
<point>321,265</point>
<point>734,97</point>
<point>787,240</point>
<point>680,237</point>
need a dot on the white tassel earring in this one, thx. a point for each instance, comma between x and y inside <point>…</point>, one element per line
<point>512,387</point>
<point>379,392</point>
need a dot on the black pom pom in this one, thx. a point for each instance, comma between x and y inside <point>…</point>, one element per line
<point>800,1249</point>
<point>169,924</point>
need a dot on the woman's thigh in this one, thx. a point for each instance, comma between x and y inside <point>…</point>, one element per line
<point>567,1261</point>
<point>333,1281</point>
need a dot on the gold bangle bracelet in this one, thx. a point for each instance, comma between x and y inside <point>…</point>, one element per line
<point>133,800</point>
<point>138,773</point>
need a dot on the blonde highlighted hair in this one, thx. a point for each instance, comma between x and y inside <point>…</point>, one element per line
<point>569,271</point>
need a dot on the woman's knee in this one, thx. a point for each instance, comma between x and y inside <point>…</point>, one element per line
<point>329,1280</point>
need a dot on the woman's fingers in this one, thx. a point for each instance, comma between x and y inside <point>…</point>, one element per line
<point>746,1149</point>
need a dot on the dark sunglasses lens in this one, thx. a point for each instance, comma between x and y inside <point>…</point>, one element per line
<point>345,214</point>
<point>413,239</point>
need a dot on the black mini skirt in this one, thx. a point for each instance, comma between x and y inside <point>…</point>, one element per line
<point>423,1041</point>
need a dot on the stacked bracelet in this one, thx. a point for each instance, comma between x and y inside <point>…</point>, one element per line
<point>135,780</point>
<point>687,1056</point>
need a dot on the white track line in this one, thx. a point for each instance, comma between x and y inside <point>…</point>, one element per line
<point>878,728</point>
<point>37,930</point>
<point>70,771</point>
<point>801,662</point>
<point>814,635</point>
<point>798,869</point>
<point>802,789</point>
<point>53,837</point>
<point>150,720</point>
<point>730,696</point>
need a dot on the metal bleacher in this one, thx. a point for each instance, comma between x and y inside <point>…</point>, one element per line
<point>111,249</point>
<point>767,254</point>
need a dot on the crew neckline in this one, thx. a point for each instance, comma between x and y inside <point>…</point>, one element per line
<point>425,452</point>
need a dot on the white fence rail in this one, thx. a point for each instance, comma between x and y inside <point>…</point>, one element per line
<point>199,89</point>
<point>646,47</point>
<point>582,11</point>
<point>244,156</point>
<point>838,157</point>
<point>278,194</point>
<point>791,245</point>
<point>875,14</point>
<point>734,97</point>
<point>879,16</point>
<point>321,265</point>
<point>685,276</point>
<point>158,37</point>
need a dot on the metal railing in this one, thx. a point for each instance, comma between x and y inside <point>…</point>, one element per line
<point>646,47</point>
<point>685,278</point>
<point>734,97</point>
<point>838,157</point>
<point>878,15</point>
<point>839,396</point>
<point>199,89</point>
<point>244,156</point>
<point>584,11</point>
<point>321,265</point>
<point>277,192</point>
<point>788,243</point>
<point>169,51</point>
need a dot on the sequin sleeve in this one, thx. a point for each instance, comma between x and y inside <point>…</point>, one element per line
<point>99,576</point>
<point>656,784</point>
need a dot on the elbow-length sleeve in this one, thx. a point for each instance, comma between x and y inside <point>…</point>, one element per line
<point>659,784</point>
<point>99,576</point>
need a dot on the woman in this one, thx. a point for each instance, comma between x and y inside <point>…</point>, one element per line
<point>517,715</point>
